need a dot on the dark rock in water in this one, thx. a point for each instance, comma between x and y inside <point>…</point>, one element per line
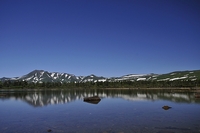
<point>93,100</point>
<point>2,95</point>
<point>49,130</point>
<point>197,95</point>
<point>166,107</point>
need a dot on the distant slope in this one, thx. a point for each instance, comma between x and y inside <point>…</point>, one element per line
<point>38,76</point>
<point>179,75</point>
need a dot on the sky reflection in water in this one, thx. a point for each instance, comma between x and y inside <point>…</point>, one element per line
<point>118,111</point>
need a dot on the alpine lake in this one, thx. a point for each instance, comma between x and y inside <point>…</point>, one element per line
<point>118,111</point>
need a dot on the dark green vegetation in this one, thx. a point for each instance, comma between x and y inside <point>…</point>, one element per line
<point>93,85</point>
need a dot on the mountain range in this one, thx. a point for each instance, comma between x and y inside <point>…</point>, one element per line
<point>45,76</point>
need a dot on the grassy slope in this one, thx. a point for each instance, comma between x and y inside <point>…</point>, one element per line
<point>189,74</point>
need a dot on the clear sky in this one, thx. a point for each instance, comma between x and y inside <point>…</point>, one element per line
<point>101,37</point>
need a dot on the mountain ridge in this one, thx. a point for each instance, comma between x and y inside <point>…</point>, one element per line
<point>45,76</point>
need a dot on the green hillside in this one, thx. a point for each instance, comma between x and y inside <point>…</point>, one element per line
<point>179,75</point>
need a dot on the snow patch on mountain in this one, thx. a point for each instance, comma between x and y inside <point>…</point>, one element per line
<point>41,74</point>
<point>133,75</point>
<point>139,79</point>
<point>52,74</point>
<point>29,78</point>
<point>101,80</point>
<point>177,78</point>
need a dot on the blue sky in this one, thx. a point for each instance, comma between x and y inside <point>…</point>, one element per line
<point>101,37</point>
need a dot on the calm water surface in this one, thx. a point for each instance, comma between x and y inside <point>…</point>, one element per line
<point>119,111</point>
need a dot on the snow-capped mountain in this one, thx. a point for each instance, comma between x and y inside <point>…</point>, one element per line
<point>45,76</point>
<point>38,76</point>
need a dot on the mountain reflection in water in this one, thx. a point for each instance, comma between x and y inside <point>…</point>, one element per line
<point>46,97</point>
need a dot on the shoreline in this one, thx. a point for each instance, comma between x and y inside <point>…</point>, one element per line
<point>163,88</point>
